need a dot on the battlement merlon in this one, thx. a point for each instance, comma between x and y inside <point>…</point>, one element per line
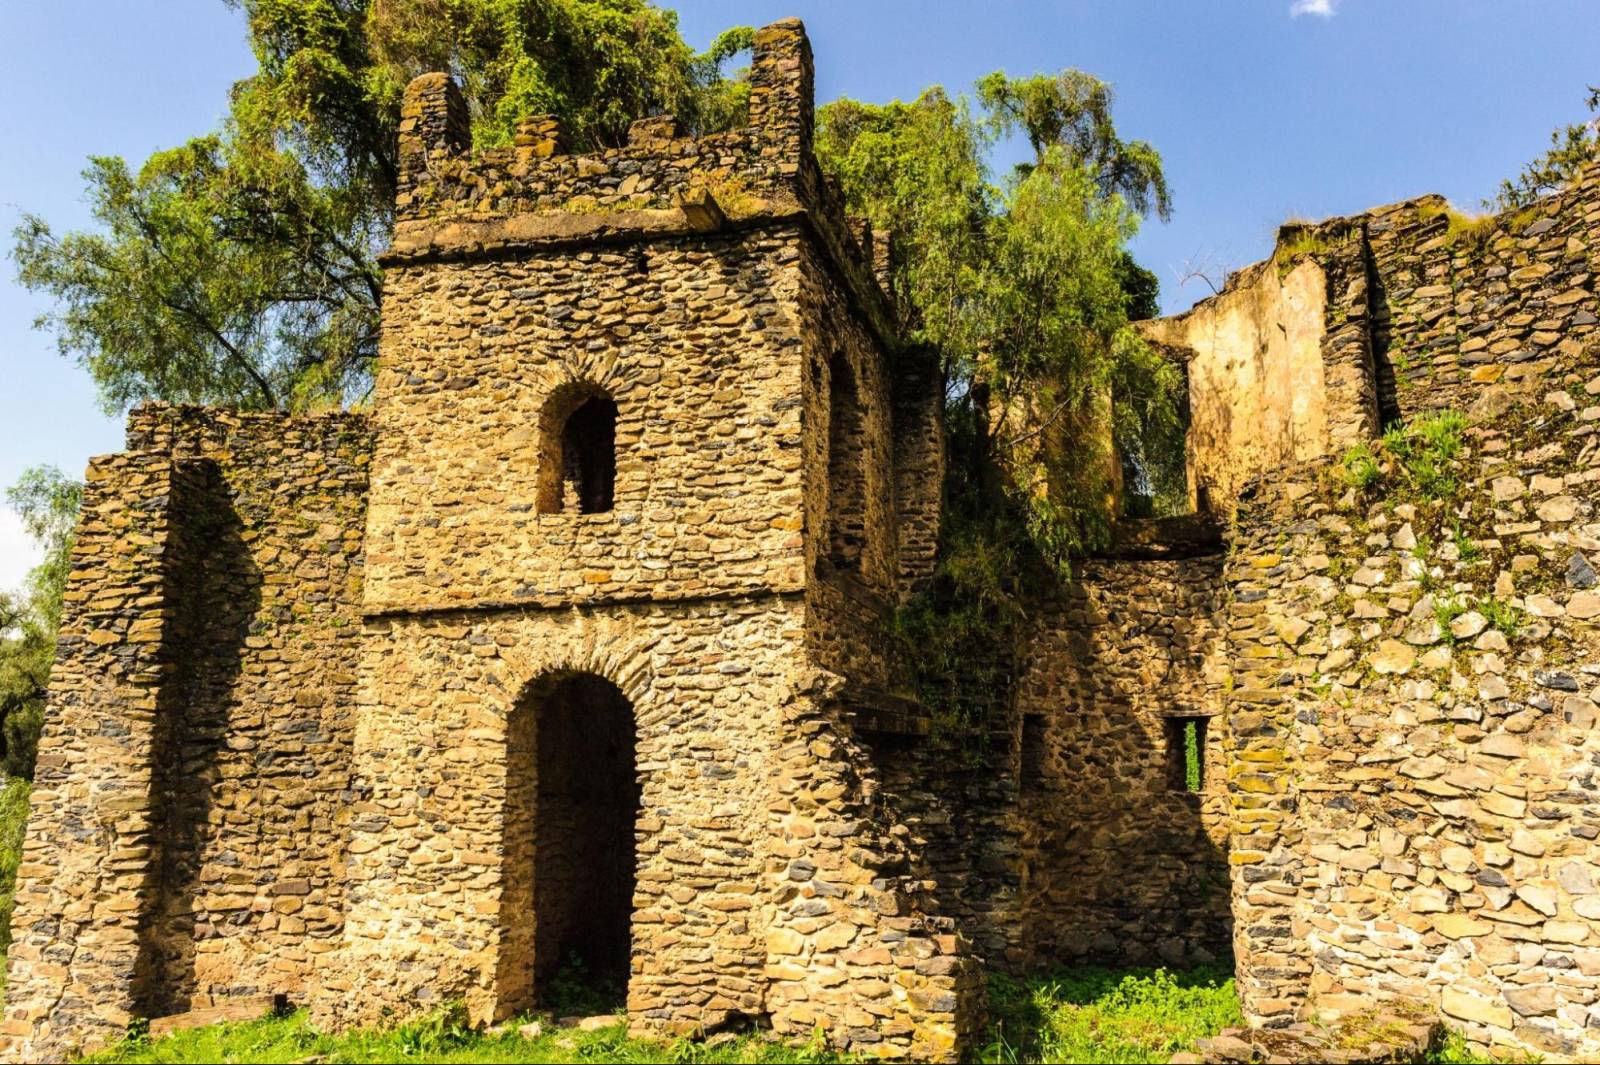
<point>455,203</point>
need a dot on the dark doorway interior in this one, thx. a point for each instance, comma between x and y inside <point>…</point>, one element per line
<point>584,858</point>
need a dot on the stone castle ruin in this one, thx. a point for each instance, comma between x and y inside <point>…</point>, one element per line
<point>572,646</point>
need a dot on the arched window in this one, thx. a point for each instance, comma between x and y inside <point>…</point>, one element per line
<point>847,467</point>
<point>578,452</point>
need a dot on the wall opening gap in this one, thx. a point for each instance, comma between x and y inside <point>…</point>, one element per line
<point>847,479</point>
<point>1032,767</point>
<point>1185,753</point>
<point>578,452</point>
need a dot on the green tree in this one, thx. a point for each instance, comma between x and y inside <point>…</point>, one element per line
<point>47,502</point>
<point>1572,147</point>
<point>1024,285</point>
<point>240,268</point>
<point>1026,289</point>
<point>1071,111</point>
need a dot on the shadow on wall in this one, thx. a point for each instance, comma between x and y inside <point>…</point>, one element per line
<point>1122,790</point>
<point>1071,832</point>
<point>215,603</point>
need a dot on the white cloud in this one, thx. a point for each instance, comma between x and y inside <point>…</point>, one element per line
<point>1320,8</point>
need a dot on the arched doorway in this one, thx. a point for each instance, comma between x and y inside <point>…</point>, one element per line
<point>572,806</point>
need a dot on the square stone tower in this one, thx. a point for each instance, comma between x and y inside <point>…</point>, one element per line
<point>650,469</point>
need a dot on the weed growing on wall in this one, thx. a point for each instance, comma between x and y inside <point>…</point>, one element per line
<point>1416,460</point>
<point>1501,615</point>
<point>1359,467</point>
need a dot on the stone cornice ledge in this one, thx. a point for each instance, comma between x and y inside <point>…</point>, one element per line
<point>436,239</point>
<point>400,608</point>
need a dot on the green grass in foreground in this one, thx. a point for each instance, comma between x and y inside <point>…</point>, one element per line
<point>1081,1015</point>
<point>437,1039</point>
<point>1098,1015</point>
<point>1071,1015</point>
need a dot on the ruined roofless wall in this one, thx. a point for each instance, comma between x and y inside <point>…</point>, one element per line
<point>184,839</point>
<point>1413,777</point>
<point>1119,863</point>
<point>1359,322</point>
<point>1410,806</point>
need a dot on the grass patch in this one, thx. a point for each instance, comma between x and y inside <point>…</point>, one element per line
<point>1467,549</point>
<point>1460,227</point>
<point>1098,1015</point>
<point>443,1037</point>
<point>1297,243</point>
<point>1445,611</point>
<point>1087,1015</point>
<point>1078,1015</point>
<point>1426,449</point>
<point>1360,467</point>
<point>1418,459</point>
<point>1501,615</point>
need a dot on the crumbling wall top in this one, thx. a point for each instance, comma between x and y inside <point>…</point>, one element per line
<point>457,203</point>
<point>651,184</point>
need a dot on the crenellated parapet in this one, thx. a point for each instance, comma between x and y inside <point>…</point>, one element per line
<point>758,170</point>
<point>456,202</point>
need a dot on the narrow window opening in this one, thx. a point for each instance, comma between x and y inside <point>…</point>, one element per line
<point>846,467</point>
<point>1033,750</point>
<point>579,455</point>
<point>589,456</point>
<point>1186,752</point>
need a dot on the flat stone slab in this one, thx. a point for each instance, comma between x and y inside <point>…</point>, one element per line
<point>245,1008</point>
<point>1378,1036</point>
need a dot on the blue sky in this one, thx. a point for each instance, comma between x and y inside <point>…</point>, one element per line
<point>1262,109</point>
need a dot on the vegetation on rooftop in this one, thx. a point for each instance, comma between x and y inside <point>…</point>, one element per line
<point>1572,147</point>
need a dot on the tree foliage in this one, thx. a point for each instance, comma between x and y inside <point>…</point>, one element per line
<point>1070,113</point>
<point>1572,147</point>
<point>47,502</point>
<point>240,268</point>
<point>1023,283</point>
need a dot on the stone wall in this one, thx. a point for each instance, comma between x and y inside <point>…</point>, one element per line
<point>852,539</point>
<point>434,910</point>
<point>1119,863</point>
<point>256,778</point>
<point>648,453</point>
<point>1412,763</point>
<point>1255,375</point>
<point>1356,323</point>
<point>1479,308</point>
<point>185,838</point>
<point>692,338</point>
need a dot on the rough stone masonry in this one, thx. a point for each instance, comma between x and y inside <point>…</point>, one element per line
<point>572,647</point>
